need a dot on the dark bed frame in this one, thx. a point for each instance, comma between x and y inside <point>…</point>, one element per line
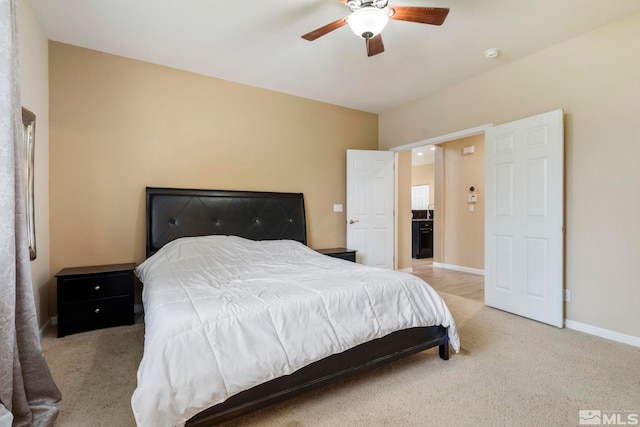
<point>174,213</point>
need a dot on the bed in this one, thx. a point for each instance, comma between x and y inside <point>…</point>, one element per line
<point>240,313</point>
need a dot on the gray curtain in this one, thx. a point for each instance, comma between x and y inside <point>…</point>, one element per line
<point>28,395</point>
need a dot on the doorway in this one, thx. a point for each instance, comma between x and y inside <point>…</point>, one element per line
<point>454,169</point>
<point>525,218</point>
<point>404,162</point>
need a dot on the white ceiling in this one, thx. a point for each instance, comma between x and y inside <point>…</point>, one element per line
<point>422,156</point>
<point>258,43</point>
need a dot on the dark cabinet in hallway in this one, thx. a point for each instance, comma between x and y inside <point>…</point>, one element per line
<point>422,238</point>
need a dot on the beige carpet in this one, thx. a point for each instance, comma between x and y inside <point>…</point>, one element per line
<point>511,371</point>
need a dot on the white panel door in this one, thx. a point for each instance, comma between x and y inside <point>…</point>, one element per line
<point>524,217</point>
<point>370,200</point>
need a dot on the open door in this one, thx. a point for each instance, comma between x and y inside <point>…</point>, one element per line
<point>370,202</point>
<point>524,217</point>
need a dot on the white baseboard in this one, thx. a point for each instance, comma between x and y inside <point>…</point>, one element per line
<point>407,270</point>
<point>459,268</point>
<point>45,326</point>
<point>569,324</point>
<point>603,333</point>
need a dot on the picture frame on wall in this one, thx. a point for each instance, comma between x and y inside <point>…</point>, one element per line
<point>28,147</point>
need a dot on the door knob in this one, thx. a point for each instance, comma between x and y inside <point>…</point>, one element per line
<point>353,222</point>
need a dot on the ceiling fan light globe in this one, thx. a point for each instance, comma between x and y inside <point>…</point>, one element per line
<point>368,22</point>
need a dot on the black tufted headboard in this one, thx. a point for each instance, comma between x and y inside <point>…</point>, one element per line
<point>255,215</point>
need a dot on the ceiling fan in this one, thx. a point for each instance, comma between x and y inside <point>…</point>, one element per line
<point>369,17</point>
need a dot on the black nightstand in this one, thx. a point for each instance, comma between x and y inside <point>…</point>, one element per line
<point>342,253</point>
<point>94,297</point>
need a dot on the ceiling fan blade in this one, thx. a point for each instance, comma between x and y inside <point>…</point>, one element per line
<point>325,30</point>
<point>423,15</point>
<point>375,45</point>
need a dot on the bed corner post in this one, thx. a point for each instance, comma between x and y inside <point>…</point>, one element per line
<point>444,349</point>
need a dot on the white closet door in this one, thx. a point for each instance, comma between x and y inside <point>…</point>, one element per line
<point>370,202</point>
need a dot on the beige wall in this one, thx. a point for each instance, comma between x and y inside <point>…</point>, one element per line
<point>438,201</point>
<point>594,78</point>
<point>422,175</point>
<point>34,91</point>
<point>404,181</point>
<point>119,125</point>
<point>463,231</point>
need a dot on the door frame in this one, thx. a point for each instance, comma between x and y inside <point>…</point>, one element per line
<point>478,130</point>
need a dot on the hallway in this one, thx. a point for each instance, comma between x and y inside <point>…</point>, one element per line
<point>466,285</point>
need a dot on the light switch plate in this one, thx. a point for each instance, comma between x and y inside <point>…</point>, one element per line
<point>337,207</point>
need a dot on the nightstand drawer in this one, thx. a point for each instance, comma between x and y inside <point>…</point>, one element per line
<point>349,256</point>
<point>89,315</point>
<point>342,253</point>
<point>96,287</point>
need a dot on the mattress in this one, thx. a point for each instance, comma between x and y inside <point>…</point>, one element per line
<point>223,314</point>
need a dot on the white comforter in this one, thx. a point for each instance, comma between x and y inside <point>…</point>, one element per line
<point>224,314</point>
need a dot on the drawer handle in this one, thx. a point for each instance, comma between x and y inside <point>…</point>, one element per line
<point>97,311</point>
<point>97,288</point>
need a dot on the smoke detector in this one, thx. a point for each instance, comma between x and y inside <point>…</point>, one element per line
<point>491,53</point>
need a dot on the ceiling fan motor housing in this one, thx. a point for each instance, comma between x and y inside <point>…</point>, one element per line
<point>358,4</point>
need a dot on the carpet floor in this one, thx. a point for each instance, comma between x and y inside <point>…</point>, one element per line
<point>511,371</point>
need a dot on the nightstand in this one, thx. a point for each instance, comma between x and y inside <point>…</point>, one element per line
<point>94,297</point>
<point>342,253</point>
